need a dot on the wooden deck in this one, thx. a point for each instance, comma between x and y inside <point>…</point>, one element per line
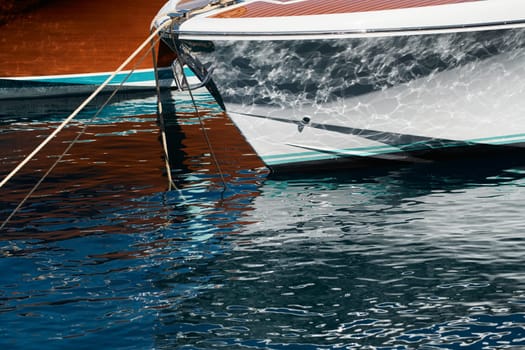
<point>324,7</point>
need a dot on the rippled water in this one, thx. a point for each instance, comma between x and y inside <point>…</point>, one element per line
<point>418,257</point>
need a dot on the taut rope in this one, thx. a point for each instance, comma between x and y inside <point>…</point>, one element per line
<point>82,105</point>
<point>162,124</point>
<point>201,122</point>
<point>70,117</point>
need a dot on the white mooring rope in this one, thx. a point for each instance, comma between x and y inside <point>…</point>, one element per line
<point>72,143</point>
<point>83,104</point>
<point>201,122</point>
<point>171,184</point>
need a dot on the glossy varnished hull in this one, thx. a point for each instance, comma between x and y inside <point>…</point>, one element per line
<point>410,90</point>
<point>57,48</point>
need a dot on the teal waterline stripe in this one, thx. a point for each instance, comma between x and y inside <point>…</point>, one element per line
<point>498,138</point>
<point>379,150</point>
<point>311,156</point>
<point>290,158</point>
<point>503,143</point>
<point>360,150</point>
<point>97,79</point>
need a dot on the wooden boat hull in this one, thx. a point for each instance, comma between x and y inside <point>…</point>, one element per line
<point>58,48</point>
<point>51,86</point>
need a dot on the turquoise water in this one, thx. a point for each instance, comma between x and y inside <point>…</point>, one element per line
<point>104,255</point>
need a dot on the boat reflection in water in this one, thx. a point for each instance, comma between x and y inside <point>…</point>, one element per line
<point>114,178</point>
<point>87,252</point>
<point>427,254</point>
<point>419,256</point>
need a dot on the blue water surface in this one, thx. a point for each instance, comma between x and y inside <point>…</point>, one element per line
<point>414,257</point>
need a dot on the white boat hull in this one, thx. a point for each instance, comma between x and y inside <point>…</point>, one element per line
<point>318,102</point>
<point>480,103</point>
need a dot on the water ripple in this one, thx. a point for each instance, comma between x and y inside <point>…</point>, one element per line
<point>419,257</point>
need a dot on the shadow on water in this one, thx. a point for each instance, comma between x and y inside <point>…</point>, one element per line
<point>58,108</point>
<point>84,252</point>
<point>479,169</point>
<point>405,257</point>
<point>116,174</point>
<point>423,256</point>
